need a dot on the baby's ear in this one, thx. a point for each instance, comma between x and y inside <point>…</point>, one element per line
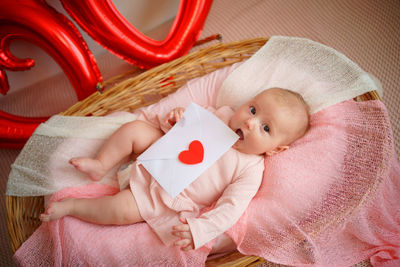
<point>277,150</point>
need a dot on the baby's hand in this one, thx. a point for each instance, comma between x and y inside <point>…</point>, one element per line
<point>174,116</point>
<point>182,231</point>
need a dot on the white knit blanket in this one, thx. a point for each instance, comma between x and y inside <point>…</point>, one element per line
<point>322,75</point>
<point>42,166</point>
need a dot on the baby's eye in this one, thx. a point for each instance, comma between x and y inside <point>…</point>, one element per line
<point>266,128</point>
<point>253,110</point>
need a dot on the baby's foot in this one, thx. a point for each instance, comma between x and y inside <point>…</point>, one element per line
<point>91,167</point>
<point>57,210</point>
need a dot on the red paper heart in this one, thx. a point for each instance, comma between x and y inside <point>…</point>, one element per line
<point>193,155</point>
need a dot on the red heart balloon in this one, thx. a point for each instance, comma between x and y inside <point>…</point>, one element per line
<point>42,25</point>
<point>194,155</point>
<point>37,22</point>
<point>102,21</point>
<point>15,130</point>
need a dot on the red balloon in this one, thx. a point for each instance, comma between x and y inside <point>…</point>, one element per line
<point>102,21</point>
<point>15,130</point>
<point>37,22</point>
<point>3,82</point>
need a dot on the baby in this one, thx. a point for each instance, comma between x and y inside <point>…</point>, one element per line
<point>209,206</point>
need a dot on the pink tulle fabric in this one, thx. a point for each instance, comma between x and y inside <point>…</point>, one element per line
<point>313,209</point>
<point>330,200</point>
<point>72,242</point>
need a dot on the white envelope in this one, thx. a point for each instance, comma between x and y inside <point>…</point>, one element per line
<point>162,161</point>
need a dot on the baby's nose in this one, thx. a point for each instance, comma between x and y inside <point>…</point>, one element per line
<point>250,123</point>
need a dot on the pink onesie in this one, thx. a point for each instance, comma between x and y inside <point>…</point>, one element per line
<point>227,186</point>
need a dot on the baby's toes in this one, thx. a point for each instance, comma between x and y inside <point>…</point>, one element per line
<point>74,162</point>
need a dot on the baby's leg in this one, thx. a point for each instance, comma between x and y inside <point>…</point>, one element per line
<point>118,209</point>
<point>134,137</point>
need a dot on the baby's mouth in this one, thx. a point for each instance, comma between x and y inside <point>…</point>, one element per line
<point>240,133</point>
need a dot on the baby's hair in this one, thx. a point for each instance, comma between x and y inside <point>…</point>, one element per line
<point>301,100</point>
<point>306,107</point>
<point>299,97</point>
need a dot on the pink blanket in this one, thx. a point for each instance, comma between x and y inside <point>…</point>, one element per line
<point>71,242</point>
<point>314,209</point>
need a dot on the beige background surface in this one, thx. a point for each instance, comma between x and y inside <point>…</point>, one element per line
<point>367,31</point>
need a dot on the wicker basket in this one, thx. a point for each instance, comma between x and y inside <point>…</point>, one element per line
<point>129,93</point>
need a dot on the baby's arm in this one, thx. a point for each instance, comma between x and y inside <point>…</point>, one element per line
<point>228,208</point>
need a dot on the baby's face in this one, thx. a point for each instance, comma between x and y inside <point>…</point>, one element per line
<point>268,123</point>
